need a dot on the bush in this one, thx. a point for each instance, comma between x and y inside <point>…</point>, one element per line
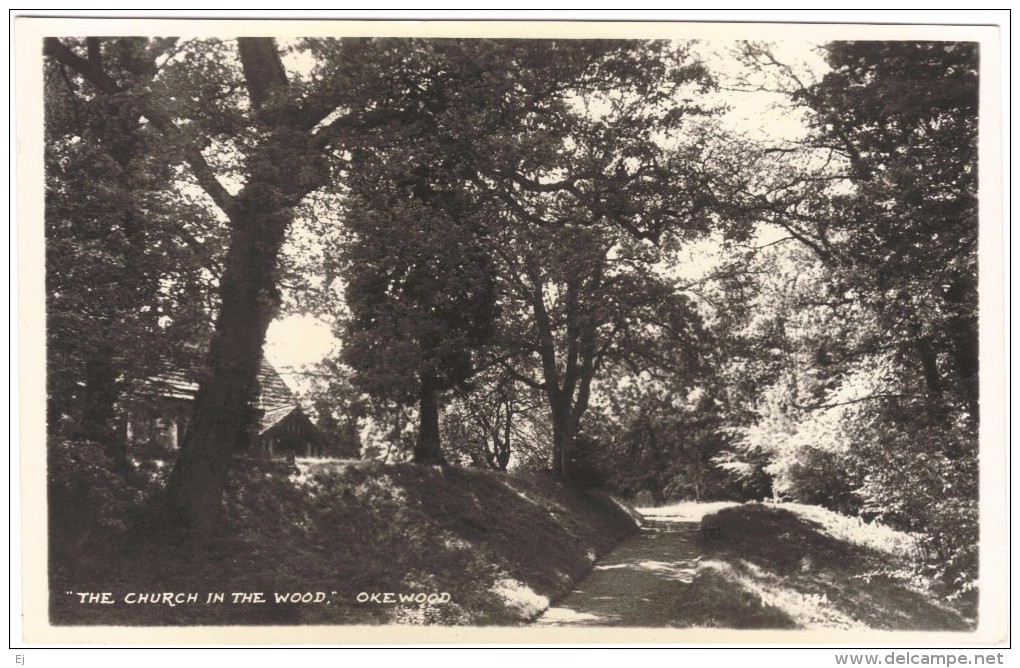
<point>920,489</point>
<point>90,500</point>
<point>584,470</point>
<point>823,478</point>
<point>668,450</point>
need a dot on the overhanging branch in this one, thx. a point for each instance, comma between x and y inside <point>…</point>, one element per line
<point>92,72</point>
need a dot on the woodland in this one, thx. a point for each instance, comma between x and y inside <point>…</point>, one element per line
<point>549,257</point>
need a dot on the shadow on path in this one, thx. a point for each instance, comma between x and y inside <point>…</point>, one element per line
<point>655,578</point>
<point>764,568</point>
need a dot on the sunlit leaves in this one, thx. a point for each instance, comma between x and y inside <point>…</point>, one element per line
<point>855,359</point>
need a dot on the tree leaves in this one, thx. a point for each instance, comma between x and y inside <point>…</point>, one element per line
<point>855,368</point>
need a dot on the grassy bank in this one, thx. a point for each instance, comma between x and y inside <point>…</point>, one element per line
<point>799,566</point>
<point>498,546</point>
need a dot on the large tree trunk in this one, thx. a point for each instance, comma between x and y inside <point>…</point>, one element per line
<point>427,449</point>
<point>227,398</point>
<point>284,169</point>
<point>558,397</point>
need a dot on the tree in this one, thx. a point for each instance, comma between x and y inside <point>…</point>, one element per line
<point>578,248</point>
<point>893,211</point>
<point>489,136</point>
<point>124,284</point>
<point>913,152</point>
<point>858,328</point>
<point>420,306</point>
<point>578,300</point>
<point>271,135</point>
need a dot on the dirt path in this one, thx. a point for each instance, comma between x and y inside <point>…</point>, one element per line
<point>768,568</point>
<point>643,582</point>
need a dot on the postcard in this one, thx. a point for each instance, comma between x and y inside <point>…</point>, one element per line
<point>512,332</point>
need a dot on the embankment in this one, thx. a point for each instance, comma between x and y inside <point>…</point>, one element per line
<point>360,543</point>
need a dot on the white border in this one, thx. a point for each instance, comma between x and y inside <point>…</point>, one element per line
<point>993,343</point>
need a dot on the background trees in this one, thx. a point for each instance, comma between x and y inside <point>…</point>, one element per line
<point>866,317</point>
<point>892,211</point>
<point>905,117</point>
<point>129,262</point>
<point>568,151</point>
<point>498,422</point>
<point>499,230</point>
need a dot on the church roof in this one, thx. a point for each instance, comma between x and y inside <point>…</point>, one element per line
<point>275,400</point>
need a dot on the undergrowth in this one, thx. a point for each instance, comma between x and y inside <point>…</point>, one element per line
<point>497,546</point>
<point>823,570</point>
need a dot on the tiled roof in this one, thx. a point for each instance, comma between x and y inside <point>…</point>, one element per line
<point>170,385</point>
<point>275,415</point>
<point>275,393</point>
<point>276,400</point>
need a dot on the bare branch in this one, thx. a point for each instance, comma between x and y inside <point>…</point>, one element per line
<point>530,382</point>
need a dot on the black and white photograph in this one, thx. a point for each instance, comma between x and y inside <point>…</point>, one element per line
<point>560,330</point>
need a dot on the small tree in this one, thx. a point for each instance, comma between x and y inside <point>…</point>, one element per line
<point>419,307</point>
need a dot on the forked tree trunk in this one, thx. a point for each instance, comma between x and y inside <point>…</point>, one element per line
<point>282,171</point>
